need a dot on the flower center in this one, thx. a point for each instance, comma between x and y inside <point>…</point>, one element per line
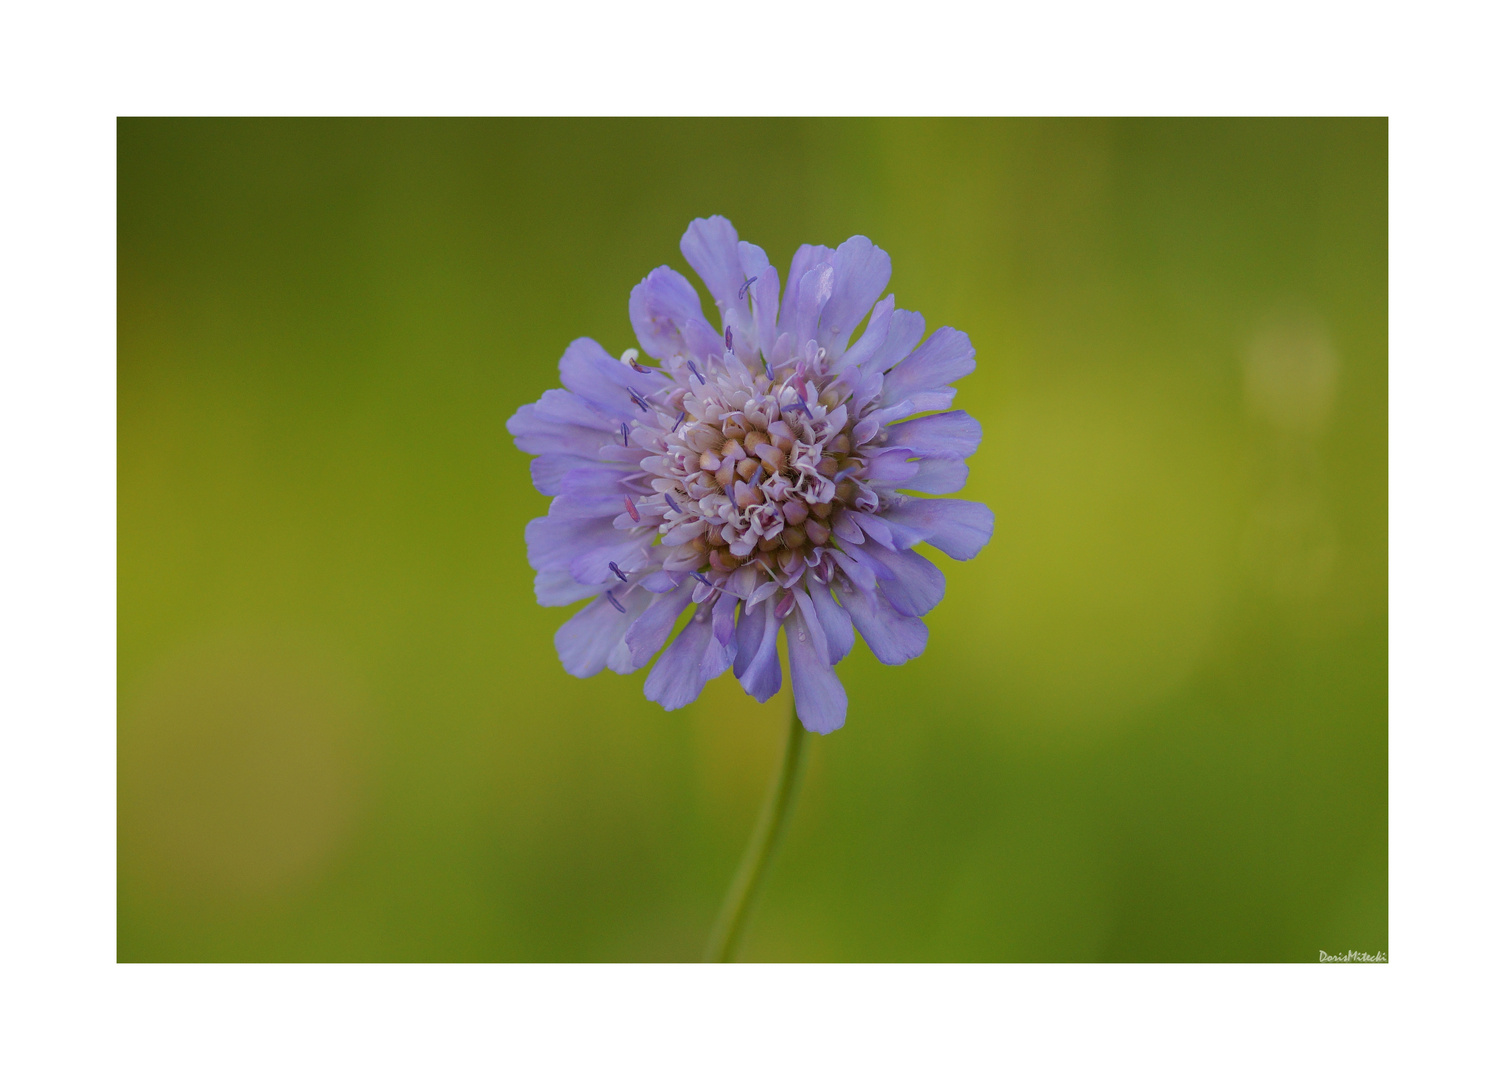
<point>751,469</point>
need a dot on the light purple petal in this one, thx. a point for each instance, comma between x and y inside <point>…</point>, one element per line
<point>916,585</point>
<point>815,291</point>
<point>891,469</point>
<point>959,527</point>
<point>820,700</point>
<point>591,633</point>
<point>861,274</point>
<point>757,662</point>
<point>836,623</point>
<point>555,588</point>
<point>676,679</point>
<point>893,638</point>
<point>943,433</point>
<point>549,470</point>
<point>553,543</point>
<point>537,435</point>
<point>764,295</point>
<point>602,381</point>
<point>666,316</point>
<point>724,263</point>
<point>946,356</point>
<point>648,634</point>
<point>873,335</point>
<point>631,553</point>
<point>905,329</point>
<point>942,474</point>
<point>805,259</point>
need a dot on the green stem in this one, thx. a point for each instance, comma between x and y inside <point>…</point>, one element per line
<point>735,909</point>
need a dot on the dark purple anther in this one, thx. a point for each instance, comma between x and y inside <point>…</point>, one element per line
<point>696,372</point>
<point>786,605</point>
<point>637,399</point>
<point>742,292</point>
<point>728,337</point>
<point>615,602</point>
<point>624,434</point>
<point>848,471</point>
<point>698,576</point>
<point>632,511</point>
<point>758,476</point>
<point>615,569</point>
<point>672,504</point>
<point>677,422</point>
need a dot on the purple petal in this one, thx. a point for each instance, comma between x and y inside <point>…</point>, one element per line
<point>553,543</point>
<point>893,638</point>
<point>805,259</point>
<point>905,329</point>
<point>815,291</point>
<point>757,662</point>
<point>602,381</point>
<point>549,470</point>
<point>942,474</point>
<point>861,274</point>
<point>891,469</point>
<point>959,527</point>
<point>846,528</point>
<point>723,624</point>
<point>676,679</point>
<point>648,634</point>
<point>765,308</point>
<point>666,316</point>
<point>630,553</point>
<point>555,588</point>
<point>836,623</point>
<point>725,264</point>
<point>820,700</point>
<point>535,434</point>
<point>943,433</point>
<point>946,356</point>
<point>592,632</point>
<point>872,335</point>
<point>874,527</point>
<point>916,585</point>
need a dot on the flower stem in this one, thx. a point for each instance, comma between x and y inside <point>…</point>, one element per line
<point>727,933</point>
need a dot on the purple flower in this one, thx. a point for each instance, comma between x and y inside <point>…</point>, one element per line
<point>755,473</point>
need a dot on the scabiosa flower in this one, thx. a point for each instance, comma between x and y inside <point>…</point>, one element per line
<point>761,473</point>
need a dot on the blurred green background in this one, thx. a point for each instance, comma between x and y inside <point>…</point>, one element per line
<point>1151,721</point>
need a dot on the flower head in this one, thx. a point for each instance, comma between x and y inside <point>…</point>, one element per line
<point>758,472</point>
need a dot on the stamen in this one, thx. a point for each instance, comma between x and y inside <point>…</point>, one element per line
<point>728,337</point>
<point>632,511</point>
<point>630,358</point>
<point>637,399</point>
<point>672,504</point>
<point>615,602</point>
<point>758,476</point>
<point>698,576</point>
<point>786,605</point>
<point>681,420</point>
<point>615,569</point>
<point>742,292</point>
<point>844,473</point>
<point>624,435</point>
<point>696,372</point>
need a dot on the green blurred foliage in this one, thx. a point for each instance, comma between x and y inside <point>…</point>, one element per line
<point>1151,721</point>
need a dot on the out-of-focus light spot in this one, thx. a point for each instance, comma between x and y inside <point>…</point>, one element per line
<point>1291,372</point>
<point>240,771</point>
